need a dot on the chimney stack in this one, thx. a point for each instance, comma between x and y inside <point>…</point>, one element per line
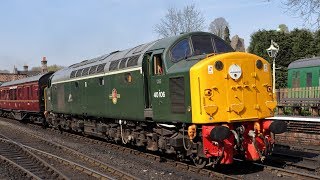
<point>15,70</point>
<point>25,68</point>
<point>44,67</point>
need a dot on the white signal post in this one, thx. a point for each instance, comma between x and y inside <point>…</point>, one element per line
<point>272,52</point>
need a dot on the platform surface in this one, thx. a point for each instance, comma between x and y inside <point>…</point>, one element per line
<point>295,118</point>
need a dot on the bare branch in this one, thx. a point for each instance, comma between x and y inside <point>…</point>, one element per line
<point>309,10</point>
<point>178,21</point>
<point>218,26</point>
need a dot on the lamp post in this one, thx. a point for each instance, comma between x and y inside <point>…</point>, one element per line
<point>272,52</point>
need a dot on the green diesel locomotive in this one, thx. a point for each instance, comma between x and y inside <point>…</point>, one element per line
<point>188,95</point>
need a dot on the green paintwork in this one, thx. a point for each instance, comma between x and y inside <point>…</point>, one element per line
<point>93,100</point>
<point>303,76</point>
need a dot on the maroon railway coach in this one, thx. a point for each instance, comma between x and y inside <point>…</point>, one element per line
<point>22,99</point>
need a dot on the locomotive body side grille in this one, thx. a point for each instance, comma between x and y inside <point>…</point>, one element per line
<point>177,95</point>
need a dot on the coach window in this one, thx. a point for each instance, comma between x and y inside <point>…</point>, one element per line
<point>18,93</point>
<point>309,80</point>
<point>28,92</point>
<point>319,78</point>
<point>10,94</point>
<point>295,79</point>
<point>15,94</point>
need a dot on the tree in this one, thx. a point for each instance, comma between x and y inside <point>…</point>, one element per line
<point>297,44</point>
<point>302,43</point>
<point>226,36</point>
<point>53,68</point>
<point>179,21</point>
<point>218,26</point>
<point>283,28</point>
<point>307,9</point>
<point>317,42</point>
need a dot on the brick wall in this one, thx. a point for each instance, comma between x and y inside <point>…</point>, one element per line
<point>298,138</point>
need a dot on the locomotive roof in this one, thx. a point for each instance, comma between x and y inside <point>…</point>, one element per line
<point>308,62</point>
<point>24,80</point>
<point>115,61</point>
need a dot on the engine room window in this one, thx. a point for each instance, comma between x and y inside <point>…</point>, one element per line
<point>202,45</point>
<point>76,84</point>
<point>180,51</point>
<point>101,81</point>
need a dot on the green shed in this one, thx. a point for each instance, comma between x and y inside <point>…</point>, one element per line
<point>304,73</point>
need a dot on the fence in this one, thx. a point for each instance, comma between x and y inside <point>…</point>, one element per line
<point>298,98</point>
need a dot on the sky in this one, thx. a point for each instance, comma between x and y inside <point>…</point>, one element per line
<point>69,31</point>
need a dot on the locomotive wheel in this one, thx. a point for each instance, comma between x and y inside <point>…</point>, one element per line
<point>200,162</point>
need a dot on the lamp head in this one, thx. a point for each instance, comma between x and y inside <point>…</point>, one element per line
<point>273,49</point>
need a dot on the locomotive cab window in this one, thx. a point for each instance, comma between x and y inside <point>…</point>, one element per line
<point>157,65</point>
<point>221,46</point>
<point>180,51</point>
<point>202,45</point>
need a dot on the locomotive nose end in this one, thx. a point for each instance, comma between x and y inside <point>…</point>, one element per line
<point>219,133</point>
<point>278,127</point>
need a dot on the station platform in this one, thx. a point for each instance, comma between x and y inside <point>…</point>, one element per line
<point>295,118</point>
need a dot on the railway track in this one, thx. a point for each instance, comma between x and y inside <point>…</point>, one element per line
<point>176,164</point>
<point>19,157</point>
<point>182,167</point>
<point>280,172</point>
<point>153,157</point>
<point>283,173</point>
<point>82,163</point>
<point>308,149</point>
<point>311,165</point>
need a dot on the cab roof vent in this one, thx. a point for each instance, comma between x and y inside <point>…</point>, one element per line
<point>114,65</point>
<point>133,61</point>
<point>93,69</point>
<point>123,63</point>
<point>101,67</point>
<point>85,71</point>
<point>73,74</point>
<point>78,73</point>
